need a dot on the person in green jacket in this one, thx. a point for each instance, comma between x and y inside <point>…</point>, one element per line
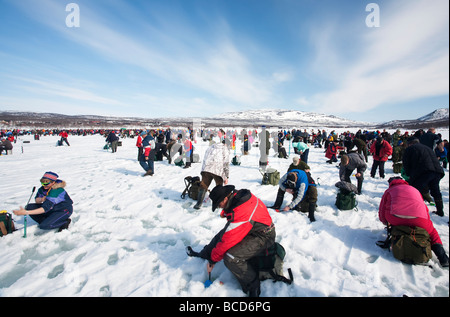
<point>302,149</point>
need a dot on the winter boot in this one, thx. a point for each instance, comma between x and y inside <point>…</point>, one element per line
<point>438,249</point>
<point>279,200</point>
<point>427,197</point>
<point>67,223</point>
<point>149,172</point>
<point>311,210</point>
<point>254,289</point>
<point>201,196</point>
<point>360,182</point>
<point>439,207</point>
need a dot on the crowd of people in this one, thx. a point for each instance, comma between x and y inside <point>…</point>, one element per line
<point>422,157</point>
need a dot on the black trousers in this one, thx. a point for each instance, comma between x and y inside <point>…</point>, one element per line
<point>380,166</point>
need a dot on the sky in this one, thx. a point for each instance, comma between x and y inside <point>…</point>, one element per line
<point>371,61</point>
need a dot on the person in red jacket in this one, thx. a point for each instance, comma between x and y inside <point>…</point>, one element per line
<point>331,152</point>
<point>248,232</point>
<point>139,145</point>
<point>403,205</point>
<point>64,137</point>
<point>381,150</point>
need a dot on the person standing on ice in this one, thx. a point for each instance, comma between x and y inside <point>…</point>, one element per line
<point>139,146</point>
<point>188,150</point>
<point>403,205</point>
<point>381,150</point>
<point>53,206</point>
<point>350,162</point>
<point>424,171</point>
<point>248,232</point>
<point>216,166</point>
<point>147,159</point>
<point>64,137</point>
<point>302,149</point>
<point>113,139</point>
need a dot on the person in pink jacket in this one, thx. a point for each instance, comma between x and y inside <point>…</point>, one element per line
<point>403,205</point>
<point>381,150</point>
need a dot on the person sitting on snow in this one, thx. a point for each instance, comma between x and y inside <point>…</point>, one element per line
<point>248,232</point>
<point>53,206</point>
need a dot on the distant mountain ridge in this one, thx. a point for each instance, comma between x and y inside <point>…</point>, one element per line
<point>438,119</point>
<point>250,118</point>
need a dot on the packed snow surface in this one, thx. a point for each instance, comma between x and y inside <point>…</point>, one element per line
<point>129,233</point>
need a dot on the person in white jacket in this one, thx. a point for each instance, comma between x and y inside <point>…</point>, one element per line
<point>216,166</point>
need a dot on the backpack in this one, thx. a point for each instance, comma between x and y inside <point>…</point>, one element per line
<point>236,160</point>
<point>269,264</point>
<point>192,187</point>
<point>6,223</point>
<point>179,161</point>
<point>346,196</point>
<point>411,245</point>
<point>271,177</point>
<point>397,167</point>
<point>346,200</point>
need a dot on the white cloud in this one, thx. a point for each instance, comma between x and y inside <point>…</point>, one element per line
<point>214,66</point>
<point>406,58</point>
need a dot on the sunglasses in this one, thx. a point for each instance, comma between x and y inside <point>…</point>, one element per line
<point>45,183</point>
<point>290,184</point>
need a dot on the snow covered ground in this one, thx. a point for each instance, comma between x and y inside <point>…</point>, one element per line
<point>129,233</point>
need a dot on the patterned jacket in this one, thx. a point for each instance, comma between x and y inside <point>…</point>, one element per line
<point>217,160</point>
<point>56,198</point>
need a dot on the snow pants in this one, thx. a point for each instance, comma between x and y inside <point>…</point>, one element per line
<point>377,164</point>
<point>149,164</point>
<point>52,219</point>
<point>237,258</point>
<point>360,179</point>
<point>208,177</point>
<point>430,182</point>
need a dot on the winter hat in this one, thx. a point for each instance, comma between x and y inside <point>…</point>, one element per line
<point>144,133</point>
<point>295,160</point>
<point>413,140</point>
<point>291,180</point>
<point>51,176</point>
<point>219,193</point>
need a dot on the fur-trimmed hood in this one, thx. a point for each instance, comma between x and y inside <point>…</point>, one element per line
<point>59,184</point>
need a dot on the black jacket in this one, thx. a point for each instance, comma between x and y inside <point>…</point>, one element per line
<point>419,159</point>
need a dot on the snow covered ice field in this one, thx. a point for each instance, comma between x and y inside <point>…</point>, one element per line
<point>128,233</point>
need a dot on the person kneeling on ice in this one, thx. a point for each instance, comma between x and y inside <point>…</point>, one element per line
<point>53,206</point>
<point>403,205</point>
<point>301,185</point>
<point>248,232</point>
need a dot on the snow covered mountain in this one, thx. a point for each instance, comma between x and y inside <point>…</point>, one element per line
<point>438,119</point>
<point>250,118</point>
<point>288,118</point>
<point>439,114</point>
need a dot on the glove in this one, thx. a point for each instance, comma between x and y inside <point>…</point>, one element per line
<point>438,249</point>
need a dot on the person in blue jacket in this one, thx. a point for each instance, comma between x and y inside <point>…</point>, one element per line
<point>147,159</point>
<point>303,188</point>
<point>53,206</point>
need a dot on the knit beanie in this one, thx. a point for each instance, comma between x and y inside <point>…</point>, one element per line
<point>51,176</point>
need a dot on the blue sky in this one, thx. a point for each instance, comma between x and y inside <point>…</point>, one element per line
<point>156,58</point>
